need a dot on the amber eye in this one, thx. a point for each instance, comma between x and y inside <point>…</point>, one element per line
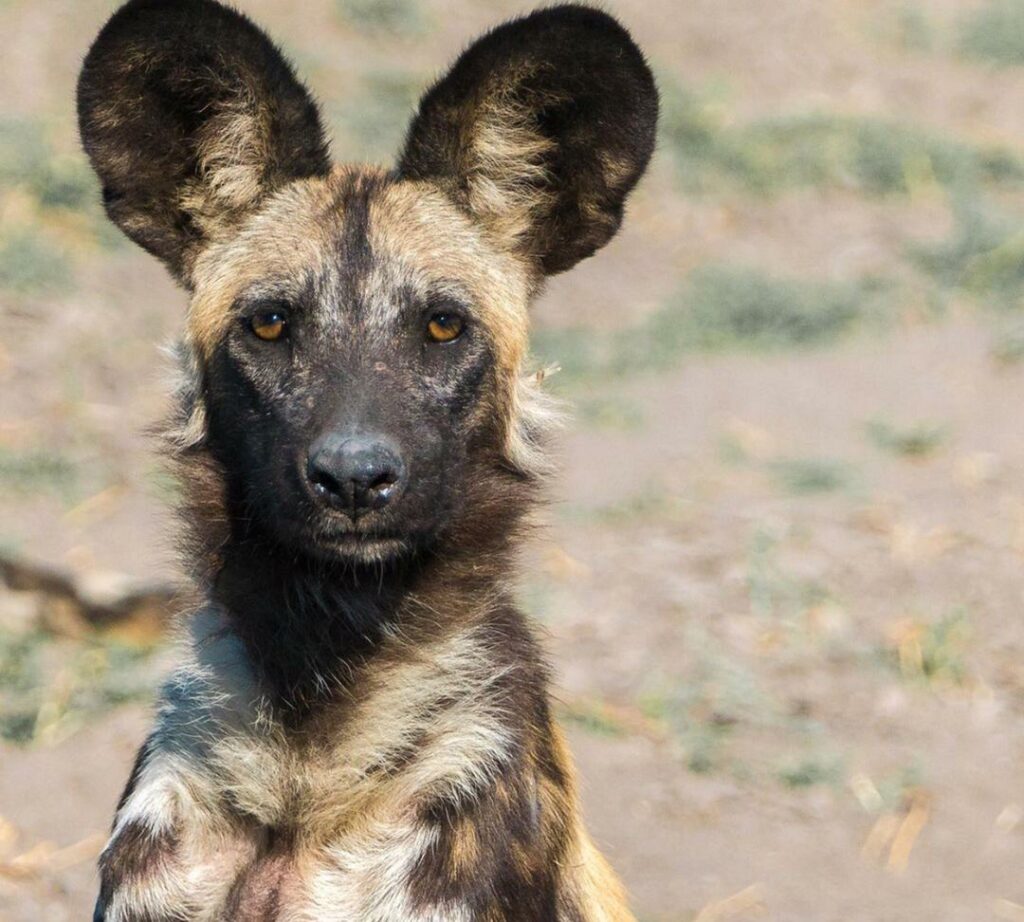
<point>269,325</point>
<point>443,328</point>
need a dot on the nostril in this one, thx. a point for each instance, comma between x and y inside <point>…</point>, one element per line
<point>377,491</point>
<point>323,482</point>
<point>382,481</point>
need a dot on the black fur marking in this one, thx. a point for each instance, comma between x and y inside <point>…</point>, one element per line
<point>354,244</point>
<point>136,851</point>
<point>163,75</point>
<point>307,624</point>
<point>504,875</point>
<point>134,854</point>
<point>256,895</point>
<point>141,758</point>
<point>507,874</point>
<point>576,77</point>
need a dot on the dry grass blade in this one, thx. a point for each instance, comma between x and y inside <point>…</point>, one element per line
<point>28,864</point>
<point>748,900</point>
<point>45,858</point>
<point>86,849</point>
<point>881,836</point>
<point>1007,910</point>
<point>8,835</point>
<point>615,719</point>
<point>1010,817</point>
<point>909,831</point>
<point>866,792</point>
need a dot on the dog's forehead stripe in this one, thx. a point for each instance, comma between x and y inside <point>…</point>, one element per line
<point>286,241</point>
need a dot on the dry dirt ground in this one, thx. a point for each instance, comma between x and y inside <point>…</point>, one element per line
<point>780,574</point>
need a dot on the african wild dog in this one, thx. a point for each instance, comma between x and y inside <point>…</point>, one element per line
<point>362,731</point>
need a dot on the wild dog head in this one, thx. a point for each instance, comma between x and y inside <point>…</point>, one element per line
<point>357,335</point>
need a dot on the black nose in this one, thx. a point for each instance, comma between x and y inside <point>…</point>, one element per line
<point>355,474</point>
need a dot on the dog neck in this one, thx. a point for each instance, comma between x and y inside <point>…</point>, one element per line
<point>310,625</point>
<point>305,624</point>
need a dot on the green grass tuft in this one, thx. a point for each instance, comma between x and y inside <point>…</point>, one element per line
<point>897,787</point>
<point>691,128</point>
<point>578,352</point>
<point>801,476</point>
<point>719,308</point>
<point>29,161</point>
<point>918,440</point>
<point>385,17</point>
<point>1008,345</point>
<point>774,593</point>
<point>371,125</point>
<point>650,504</point>
<point>944,646</point>
<point>983,256</point>
<point>58,202</point>
<point>594,717</point>
<point>933,651</point>
<point>717,699</point>
<point>49,687</point>
<point>611,411</point>
<point>994,33</point>
<point>811,771</point>
<point>912,30</point>
<point>874,156</point>
<point>36,471</point>
<point>30,264</point>
<point>726,306</point>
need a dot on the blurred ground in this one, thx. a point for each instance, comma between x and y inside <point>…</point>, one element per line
<point>781,574</point>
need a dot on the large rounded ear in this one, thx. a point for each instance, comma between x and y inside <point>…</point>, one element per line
<point>190,115</point>
<point>540,130</point>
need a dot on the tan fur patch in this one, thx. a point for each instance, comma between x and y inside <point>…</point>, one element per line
<point>590,885</point>
<point>465,848</point>
<point>415,227</point>
<point>289,235</point>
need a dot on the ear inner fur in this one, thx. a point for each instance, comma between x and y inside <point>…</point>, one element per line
<point>540,130</point>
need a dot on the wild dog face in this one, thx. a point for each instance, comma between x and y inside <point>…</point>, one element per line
<point>358,334</point>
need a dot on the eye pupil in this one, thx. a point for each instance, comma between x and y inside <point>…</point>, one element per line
<point>443,328</point>
<point>269,325</point>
